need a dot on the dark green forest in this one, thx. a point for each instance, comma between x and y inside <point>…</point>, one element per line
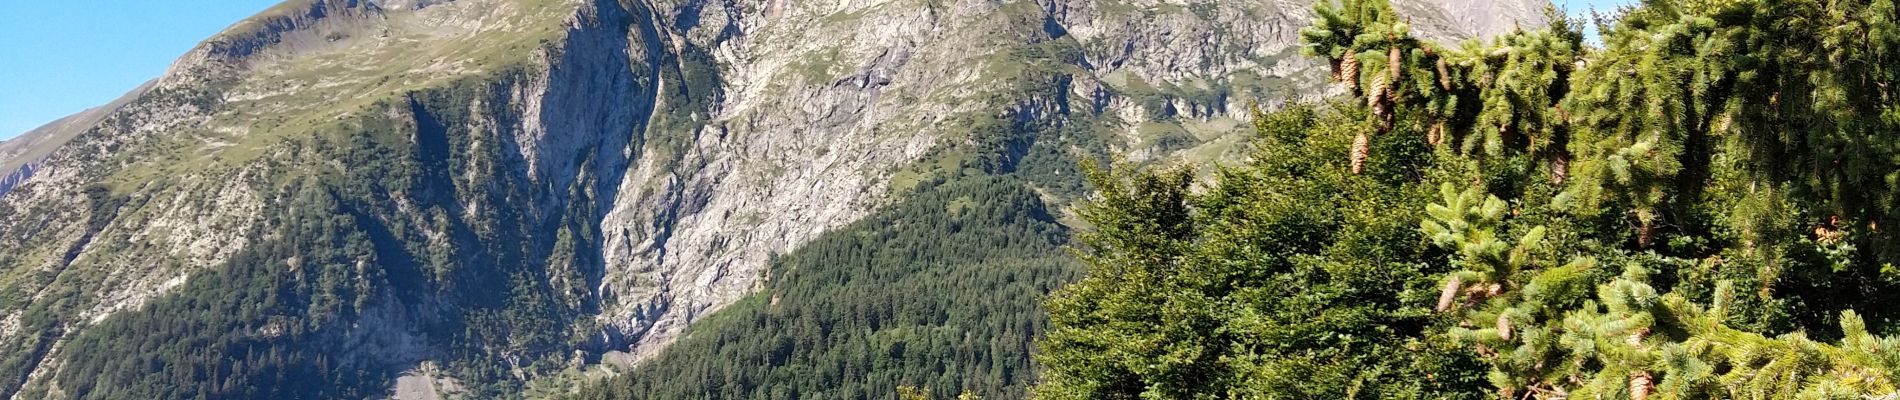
<point>938,293</point>
<point>1691,209</point>
<point>230,333</point>
<point>272,321</point>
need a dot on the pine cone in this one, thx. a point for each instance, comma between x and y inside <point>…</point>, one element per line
<point>1450,293</point>
<point>1349,74</point>
<point>1394,59</point>
<point>1504,327</point>
<point>1361,148</point>
<point>1559,168</point>
<point>1380,101</point>
<point>1444,75</point>
<point>1640,381</point>
<point>1437,134</point>
<point>1376,95</point>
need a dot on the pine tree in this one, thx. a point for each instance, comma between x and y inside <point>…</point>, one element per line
<point>1668,215</point>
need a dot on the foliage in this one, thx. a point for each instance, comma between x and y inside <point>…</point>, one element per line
<point>1291,279</point>
<point>1688,211</point>
<point>933,295</point>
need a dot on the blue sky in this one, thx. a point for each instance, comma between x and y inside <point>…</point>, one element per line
<point>1582,7</point>
<point>60,57</point>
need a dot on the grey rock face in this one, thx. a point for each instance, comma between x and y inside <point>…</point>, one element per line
<point>699,137</point>
<point>11,179</point>
<point>825,100</point>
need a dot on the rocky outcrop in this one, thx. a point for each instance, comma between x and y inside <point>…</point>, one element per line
<point>11,179</point>
<point>35,145</point>
<point>646,158</point>
<point>823,101</point>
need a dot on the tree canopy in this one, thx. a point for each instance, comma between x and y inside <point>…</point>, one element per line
<point>1688,210</point>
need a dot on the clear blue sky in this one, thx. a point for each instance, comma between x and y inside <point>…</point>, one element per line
<point>60,57</point>
<point>1582,7</point>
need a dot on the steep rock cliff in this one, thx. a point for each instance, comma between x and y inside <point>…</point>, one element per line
<point>11,179</point>
<point>590,176</point>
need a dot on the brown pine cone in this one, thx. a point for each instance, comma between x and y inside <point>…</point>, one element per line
<point>1349,74</point>
<point>1361,148</point>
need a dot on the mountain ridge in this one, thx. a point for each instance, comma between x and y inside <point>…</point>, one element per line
<point>657,154</point>
<point>20,152</point>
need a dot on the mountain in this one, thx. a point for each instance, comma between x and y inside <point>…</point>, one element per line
<point>18,155</point>
<point>472,193</point>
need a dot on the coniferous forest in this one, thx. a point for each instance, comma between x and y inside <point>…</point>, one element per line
<point>1691,209</point>
<point>1687,207</point>
<point>938,295</point>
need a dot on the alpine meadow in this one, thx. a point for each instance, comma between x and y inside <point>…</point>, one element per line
<point>972,199</point>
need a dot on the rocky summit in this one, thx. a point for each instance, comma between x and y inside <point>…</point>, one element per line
<point>416,198</point>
